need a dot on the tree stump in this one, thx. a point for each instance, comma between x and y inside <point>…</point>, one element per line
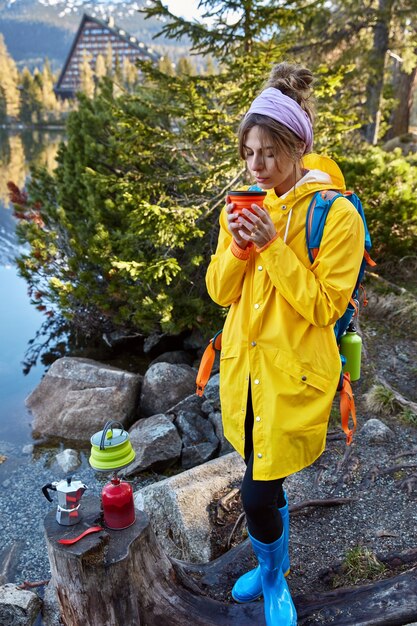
<point>123,578</point>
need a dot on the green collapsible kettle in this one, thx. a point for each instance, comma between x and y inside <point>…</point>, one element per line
<point>111,448</point>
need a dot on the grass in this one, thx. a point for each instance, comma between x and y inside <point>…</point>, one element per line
<point>360,565</point>
<point>408,417</point>
<point>381,400</point>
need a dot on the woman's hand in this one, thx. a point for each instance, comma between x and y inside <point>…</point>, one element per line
<point>235,226</point>
<point>256,226</point>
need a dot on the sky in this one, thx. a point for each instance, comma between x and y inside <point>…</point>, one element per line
<point>183,8</point>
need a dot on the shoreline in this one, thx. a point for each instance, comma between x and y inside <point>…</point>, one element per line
<point>19,126</point>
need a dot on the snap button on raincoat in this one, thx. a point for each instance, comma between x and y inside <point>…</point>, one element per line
<point>279,329</point>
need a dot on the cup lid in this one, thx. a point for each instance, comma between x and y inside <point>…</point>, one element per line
<point>247,193</point>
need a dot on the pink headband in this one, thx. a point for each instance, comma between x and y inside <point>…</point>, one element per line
<point>273,103</point>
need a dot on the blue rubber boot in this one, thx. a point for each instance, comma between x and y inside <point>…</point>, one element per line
<point>279,608</point>
<point>248,587</point>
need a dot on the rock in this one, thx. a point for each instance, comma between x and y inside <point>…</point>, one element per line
<point>407,143</point>
<point>216,419</point>
<point>68,460</point>
<point>200,443</point>
<point>77,396</point>
<point>191,405</point>
<point>28,448</point>
<point>164,385</point>
<point>156,442</point>
<point>375,431</point>
<point>176,357</point>
<point>198,453</point>
<point>178,506</point>
<point>212,392</point>
<point>18,607</point>
<point>157,343</point>
<point>122,338</point>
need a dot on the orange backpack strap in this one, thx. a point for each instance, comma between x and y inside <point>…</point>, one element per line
<point>347,408</point>
<point>207,361</point>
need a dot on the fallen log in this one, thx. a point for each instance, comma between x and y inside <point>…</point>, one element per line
<point>390,602</point>
<point>123,577</point>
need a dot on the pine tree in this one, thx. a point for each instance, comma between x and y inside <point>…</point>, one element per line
<point>109,59</point>
<point>31,101</point>
<point>49,100</point>
<point>131,212</point>
<point>9,79</point>
<point>185,67</point>
<point>86,75</point>
<point>100,69</point>
<point>129,73</point>
<point>166,66</point>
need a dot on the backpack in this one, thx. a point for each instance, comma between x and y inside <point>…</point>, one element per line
<point>317,212</point>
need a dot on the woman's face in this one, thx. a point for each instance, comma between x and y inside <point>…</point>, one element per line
<point>270,170</point>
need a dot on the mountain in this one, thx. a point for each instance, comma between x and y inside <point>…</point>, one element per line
<point>35,29</point>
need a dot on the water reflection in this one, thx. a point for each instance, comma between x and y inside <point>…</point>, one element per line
<point>19,150</point>
<point>19,320</point>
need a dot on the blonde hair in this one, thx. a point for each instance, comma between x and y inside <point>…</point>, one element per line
<point>295,82</point>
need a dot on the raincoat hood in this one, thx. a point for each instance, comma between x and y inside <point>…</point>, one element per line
<point>314,161</point>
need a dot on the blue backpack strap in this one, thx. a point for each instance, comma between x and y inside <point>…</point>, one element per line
<point>353,198</point>
<point>317,212</point>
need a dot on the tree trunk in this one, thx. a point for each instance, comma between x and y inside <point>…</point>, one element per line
<point>123,577</point>
<point>377,62</point>
<point>403,86</point>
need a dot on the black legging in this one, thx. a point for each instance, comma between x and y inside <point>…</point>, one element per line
<point>261,498</point>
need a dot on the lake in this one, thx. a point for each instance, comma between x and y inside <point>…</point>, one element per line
<point>19,320</point>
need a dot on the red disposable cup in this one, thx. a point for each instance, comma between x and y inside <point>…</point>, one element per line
<point>244,199</point>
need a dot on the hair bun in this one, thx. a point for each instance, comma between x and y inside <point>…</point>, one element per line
<point>295,82</point>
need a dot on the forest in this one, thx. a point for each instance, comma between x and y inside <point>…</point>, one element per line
<point>121,232</point>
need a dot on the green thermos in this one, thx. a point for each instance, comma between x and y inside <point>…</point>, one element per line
<point>351,349</point>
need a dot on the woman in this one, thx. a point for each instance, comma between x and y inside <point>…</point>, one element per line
<point>280,364</point>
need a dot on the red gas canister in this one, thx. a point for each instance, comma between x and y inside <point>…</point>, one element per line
<point>118,505</point>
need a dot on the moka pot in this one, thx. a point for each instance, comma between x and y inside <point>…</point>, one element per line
<point>69,494</point>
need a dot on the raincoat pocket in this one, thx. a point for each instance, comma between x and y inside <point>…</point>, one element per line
<point>229,352</point>
<point>231,388</point>
<point>299,372</point>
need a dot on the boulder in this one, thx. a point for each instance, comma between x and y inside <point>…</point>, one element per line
<point>164,385</point>
<point>18,607</point>
<point>374,431</point>
<point>199,440</point>
<point>156,442</point>
<point>77,396</point>
<point>178,506</point>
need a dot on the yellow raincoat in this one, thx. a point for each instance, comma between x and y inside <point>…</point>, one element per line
<point>279,329</point>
